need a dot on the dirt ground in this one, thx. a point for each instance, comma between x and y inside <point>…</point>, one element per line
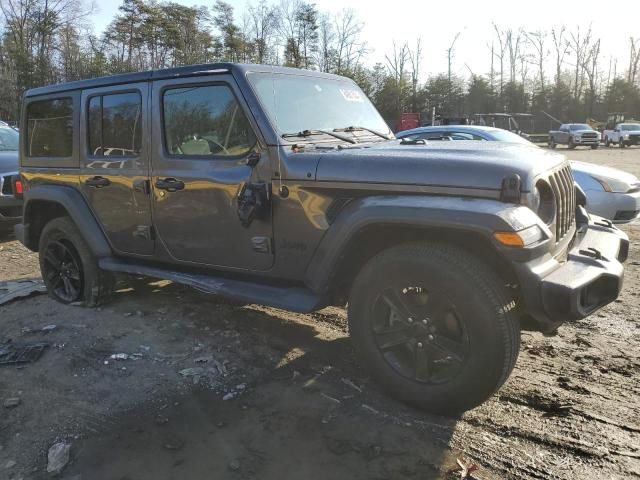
<point>216,390</point>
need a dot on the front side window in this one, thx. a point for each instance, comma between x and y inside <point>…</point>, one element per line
<point>50,128</point>
<point>115,124</point>
<point>630,127</point>
<point>205,121</point>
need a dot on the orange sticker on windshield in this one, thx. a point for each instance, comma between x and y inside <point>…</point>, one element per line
<point>351,95</point>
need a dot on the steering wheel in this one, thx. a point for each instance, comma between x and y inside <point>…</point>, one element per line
<point>216,143</point>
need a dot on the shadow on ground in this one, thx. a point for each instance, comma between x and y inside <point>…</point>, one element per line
<point>307,411</point>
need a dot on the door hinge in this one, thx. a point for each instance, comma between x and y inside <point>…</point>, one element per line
<point>261,244</point>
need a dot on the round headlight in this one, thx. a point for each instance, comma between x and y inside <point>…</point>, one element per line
<point>547,203</point>
<point>535,199</point>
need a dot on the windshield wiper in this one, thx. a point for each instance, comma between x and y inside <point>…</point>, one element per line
<point>355,129</point>
<point>308,133</point>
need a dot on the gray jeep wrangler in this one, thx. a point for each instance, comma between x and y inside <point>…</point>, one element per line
<point>286,188</point>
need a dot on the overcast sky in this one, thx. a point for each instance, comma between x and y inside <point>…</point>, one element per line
<point>437,22</point>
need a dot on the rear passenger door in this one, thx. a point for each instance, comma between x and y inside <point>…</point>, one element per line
<point>114,164</point>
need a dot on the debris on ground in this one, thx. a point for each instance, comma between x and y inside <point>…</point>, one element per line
<point>10,464</point>
<point>234,465</point>
<point>58,457</point>
<point>49,328</point>
<point>350,383</point>
<point>174,444</point>
<point>20,289</point>
<point>12,402</point>
<point>463,471</point>
<point>192,372</point>
<point>126,356</point>
<point>13,354</point>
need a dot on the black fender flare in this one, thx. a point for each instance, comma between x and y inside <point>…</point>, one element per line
<point>76,207</point>
<point>481,216</point>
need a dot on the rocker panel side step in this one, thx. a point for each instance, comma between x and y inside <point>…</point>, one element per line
<point>296,299</point>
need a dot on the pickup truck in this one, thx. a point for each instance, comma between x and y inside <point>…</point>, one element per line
<point>573,135</point>
<point>624,134</point>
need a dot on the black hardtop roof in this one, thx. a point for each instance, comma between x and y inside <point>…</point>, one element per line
<point>186,71</point>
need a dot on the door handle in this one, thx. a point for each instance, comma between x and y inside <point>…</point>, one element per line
<point>170,184</point>
<point>98,182</point>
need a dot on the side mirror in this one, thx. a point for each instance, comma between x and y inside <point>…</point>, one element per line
<point>252,202</point>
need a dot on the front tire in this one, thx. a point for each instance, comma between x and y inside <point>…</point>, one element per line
<point>621,143</point>
<point>571,145</point>
<point>69,269</point>
<point>435,326</point>
<point>607,142</point>
<point>552,143</point>
<point>594,147</point>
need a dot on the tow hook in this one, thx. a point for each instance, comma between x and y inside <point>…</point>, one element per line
<point>593,253</point>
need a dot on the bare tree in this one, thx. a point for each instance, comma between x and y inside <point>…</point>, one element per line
<point>537,40</point>
<point>350,48</point>
<point>634,59</point>
<point>415,57</point>
<point>561,48</point>
<point>580,46</point>
<point>500,53</point>
<point>590,67</point>
<point>263,22</point>
<point>326,41</point>
<point>513,46</point>
<point>397,66</point>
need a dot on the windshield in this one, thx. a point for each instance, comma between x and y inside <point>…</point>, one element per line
<point>296,103</point>
<point>630,127</point>
<point>506,136</point>
<point>8,139</point>
<point>580,126</point>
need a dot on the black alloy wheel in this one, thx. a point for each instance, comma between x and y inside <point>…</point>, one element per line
<point>62,269</point>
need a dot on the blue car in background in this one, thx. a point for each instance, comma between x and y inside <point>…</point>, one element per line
<point>10,206</point>
<point>611,193</point>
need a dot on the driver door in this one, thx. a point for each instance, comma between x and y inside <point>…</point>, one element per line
<point>204,151</point>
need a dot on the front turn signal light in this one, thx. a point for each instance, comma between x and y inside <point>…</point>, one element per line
<point>522,238</point>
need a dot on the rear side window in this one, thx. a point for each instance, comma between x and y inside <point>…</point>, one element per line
<point>205,121</point>
<point>115,124</point>
<point>50,128</point>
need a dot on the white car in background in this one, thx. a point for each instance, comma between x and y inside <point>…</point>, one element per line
<point>611,193</point>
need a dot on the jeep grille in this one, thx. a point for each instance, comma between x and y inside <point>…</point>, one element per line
<point>565,197</point>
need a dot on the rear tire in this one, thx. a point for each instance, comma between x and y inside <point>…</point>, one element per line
<point>435,326</point>
<point>607,142</point>
<point>69,268</point>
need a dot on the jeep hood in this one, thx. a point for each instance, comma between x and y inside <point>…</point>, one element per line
<point>9,162</point>
<point>457,164</point>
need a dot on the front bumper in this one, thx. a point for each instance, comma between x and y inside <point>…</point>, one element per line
<point>586,141</point>
<point>555,290</point>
